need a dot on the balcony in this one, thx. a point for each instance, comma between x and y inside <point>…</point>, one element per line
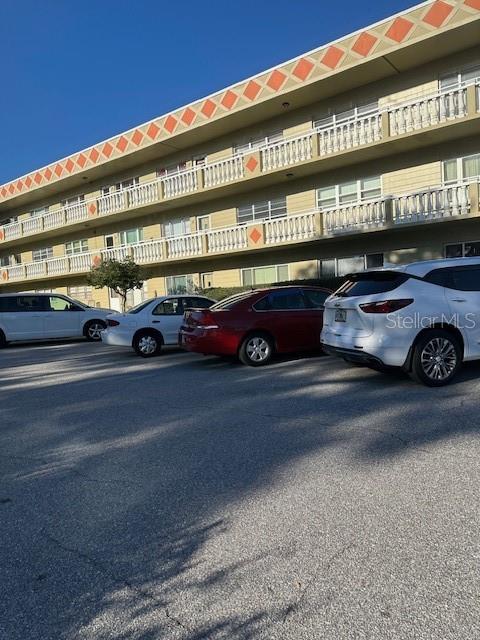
<point>451,202</point>
<point>396,122</point>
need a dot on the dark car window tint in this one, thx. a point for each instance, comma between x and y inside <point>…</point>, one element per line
<point>231,301</point>
<point>29,303</point>
<point>286,300</point>
<point>262,304</point>
<point>316,298</point>
<point>459,278</point>
<point>442,277</point>
<point>369,282</point>
<point>466,279</point>
<point>196,303</point>
<point>8,304</point>
<point>139,307</point>
<point>171,307</point>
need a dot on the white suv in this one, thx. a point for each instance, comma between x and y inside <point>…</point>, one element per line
<point>44,316</point>
<point>423,317</point>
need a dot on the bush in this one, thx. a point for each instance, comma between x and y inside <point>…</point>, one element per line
<point>219,293</point>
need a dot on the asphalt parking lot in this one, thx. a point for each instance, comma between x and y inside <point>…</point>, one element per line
<point>189,497</point>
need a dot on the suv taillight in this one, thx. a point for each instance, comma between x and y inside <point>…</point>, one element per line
<point>112,323</point>
<point>385,306</point>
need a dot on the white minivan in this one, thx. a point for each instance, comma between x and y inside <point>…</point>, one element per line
<point>45,316</point>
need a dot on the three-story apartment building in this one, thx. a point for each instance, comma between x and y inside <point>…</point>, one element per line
<point>364,152</point>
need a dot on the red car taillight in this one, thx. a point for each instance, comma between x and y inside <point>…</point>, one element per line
<point>112,323</point>
<point>201,319</point>
<point>385,306</point>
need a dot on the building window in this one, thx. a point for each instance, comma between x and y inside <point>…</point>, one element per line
<point>171,170</point>
<point>83,294</point>
<point>335,267</point>
<point>10,261</point>
<point>41,211</point>
<point>262,210</point>
<point>258,142</point>
<point>42,254</point>
<point>463,250</point>
<point>348,192</point>
<point>177,227</point>
<point>76,246</point>
<point>120,186</point>
<point>264,275</point>
<point>109,242</point>
<point>131,236</point>
<point>203,223</point>
<point>179,284</point>
<point>206,280</point>
<point>461,169</point>
<point>346,115</point>
<point>71,202</point>
<point>459,78</point>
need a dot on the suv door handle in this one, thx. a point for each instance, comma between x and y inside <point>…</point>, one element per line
<point>458,300</point>
<point>155,321</point>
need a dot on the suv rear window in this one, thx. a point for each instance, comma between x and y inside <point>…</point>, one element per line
<point>370,282</point>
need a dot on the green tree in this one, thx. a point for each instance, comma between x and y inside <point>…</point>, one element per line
<point>121,276</point>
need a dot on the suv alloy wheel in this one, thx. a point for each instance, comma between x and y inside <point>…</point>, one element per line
<point>437,356</point>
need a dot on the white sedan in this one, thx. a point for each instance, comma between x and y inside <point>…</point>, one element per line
<point>151,324</point>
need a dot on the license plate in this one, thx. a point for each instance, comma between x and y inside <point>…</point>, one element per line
<point>340,315</point>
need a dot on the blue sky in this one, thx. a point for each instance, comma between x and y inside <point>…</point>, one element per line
<point>78,71</point>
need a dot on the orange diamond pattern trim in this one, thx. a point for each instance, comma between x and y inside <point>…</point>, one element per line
<point>229,99</point>
<point>364,44</point>
<point>399,29</point>
<point>255,235</point>
<point>152,131</point>
<point>252,90</point>
<point>122,144</point>
<point>251,163</point>
<point>438,13</point>
<point>276,79</point>
<point>170,124</point>
<point>188,116</point>
<point>209,108</point>
<point>332,57</point>
<point>303,69</point>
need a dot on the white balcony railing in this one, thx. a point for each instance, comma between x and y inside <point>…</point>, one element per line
<point>350,217</point>
<point>428,111</point>
<point>287,152</point>
<point>143,194</point>
<point>227,239</point>
<point>54,219</point>
<point>432,204</point>
<point>148,252</point>
<point>424,112</point>
<point>75,212</point>
<point>290,228</point>
<point>350,134</point>
<point>184,246</point>
<point>179,184</point>
<point>223,171</point>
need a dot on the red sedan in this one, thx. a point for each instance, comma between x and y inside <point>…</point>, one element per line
<point>256,324</point>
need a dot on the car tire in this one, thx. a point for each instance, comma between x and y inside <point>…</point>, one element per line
<point>147,344</point>
<point>3,340</point>
<point>436,358</point>
<point>92,330</point>
<point>256,350</point>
